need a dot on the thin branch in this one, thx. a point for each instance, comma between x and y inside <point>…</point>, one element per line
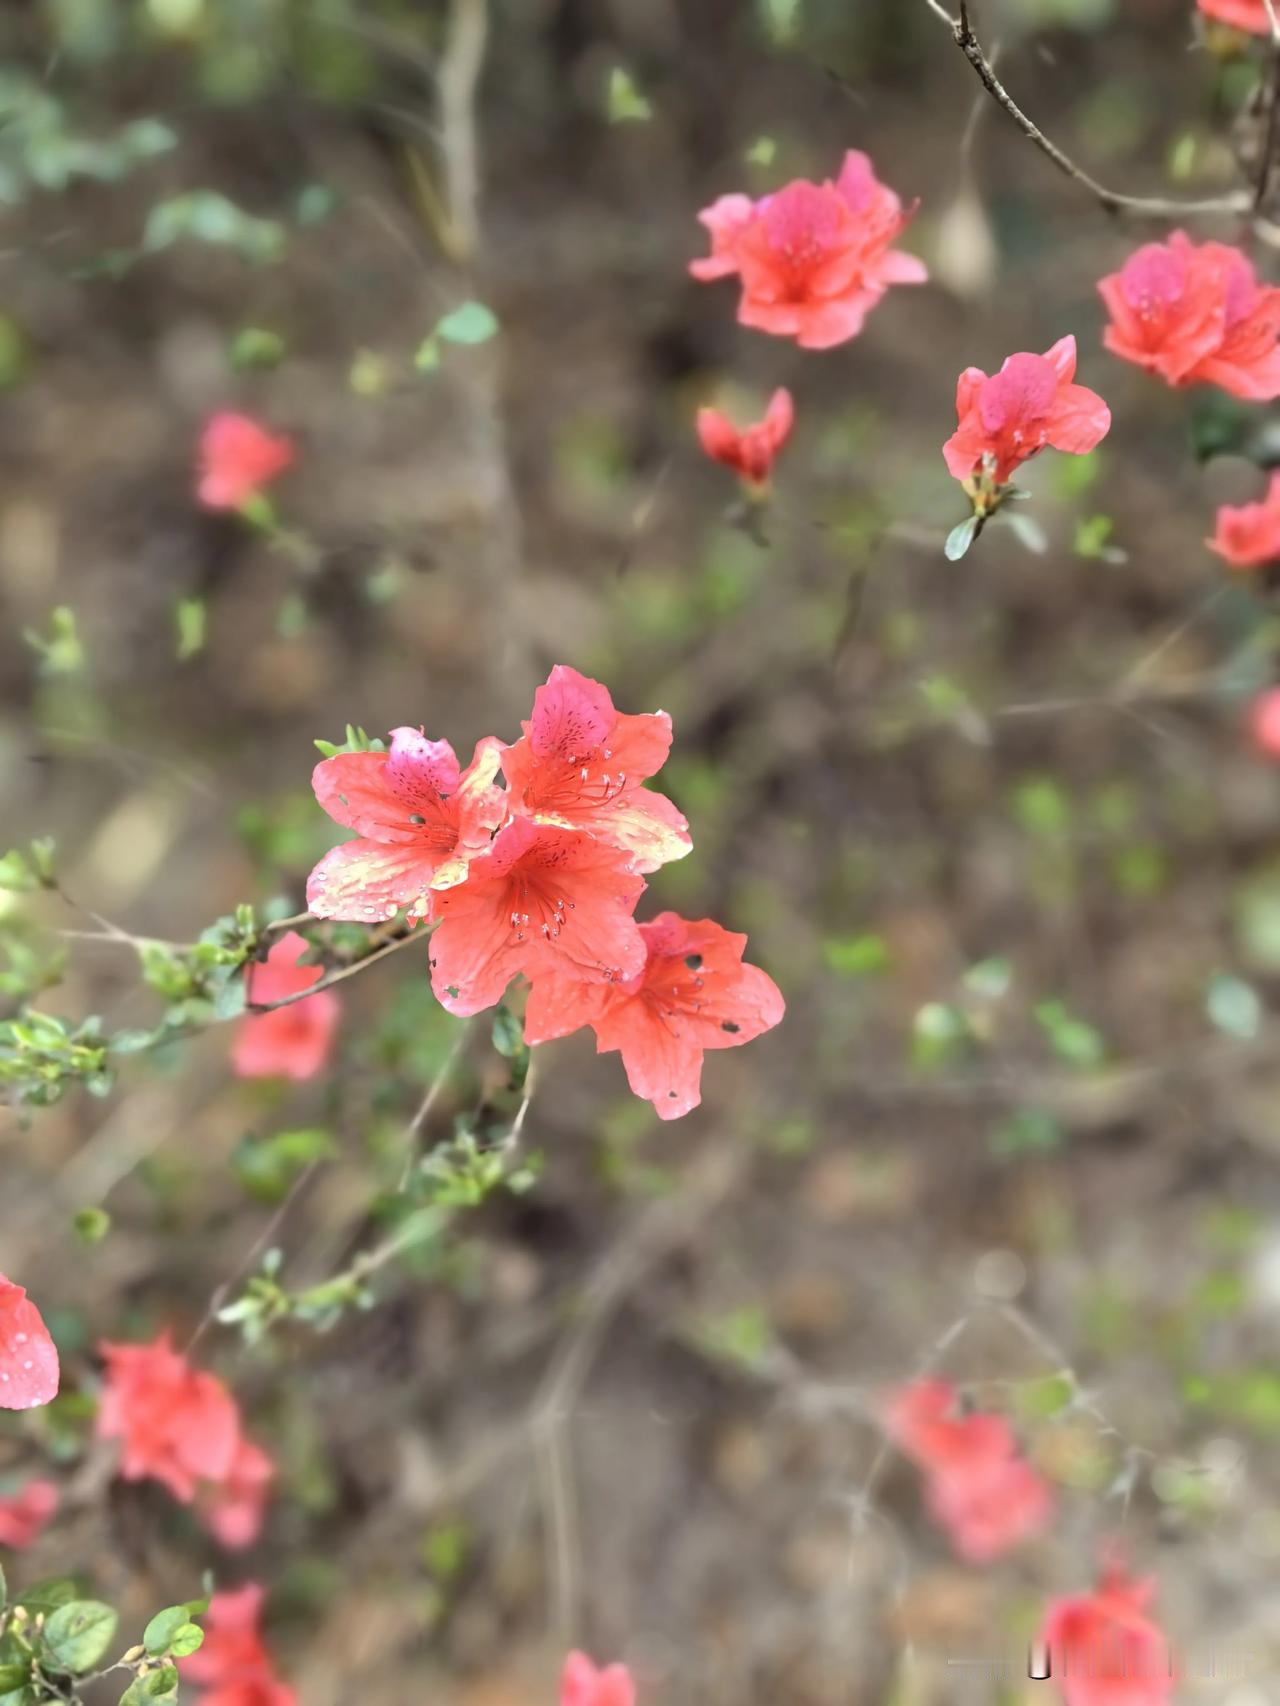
<point>460,67</point>
<point>1112,201</point>
<point>428,1103</point>
<point>332,977</point>
<point>1267,156</point>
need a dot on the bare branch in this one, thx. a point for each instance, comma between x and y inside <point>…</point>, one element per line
<point>1112,201</point>
<point>1267,154</point>
<point>332,977</point>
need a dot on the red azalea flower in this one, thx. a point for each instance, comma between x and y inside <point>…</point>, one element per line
<point>175,1425</point>
<point>583,1684</point>
<point>1248,535</point>
<point>1104,1648</point>
<point>1250,15</point>
<point>990,1507</point>
<point>234,1667</point>
<point>28,1358</point>
<point>1264,722</point>
<point>813,259</point>
<point>1012,415</point>
<point>580,765</point>
<point>418,818</point>
<point>1196,313</point>
<point>233,1509</point>
<point>692,993</point>
<point>237,458</point>
<point>977,1488</point>
<point>293,1041</point>
<point>182,1428</point>
<point>542,899</point>
<point>24,1516</point>
<point>751,452</point>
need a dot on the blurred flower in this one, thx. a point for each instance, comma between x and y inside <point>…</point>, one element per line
<point>24,1516</point>
<point>237,458</point>
<point>1008,417</point>
<point>692,993</point>
<point>986,1497</point>
<point>580,765</point>
<point>293,1041</point>
<point>28,1357</point>
<point>1196,312</point>
<point>1264,722</point>
<point>542,898</point>
<point>1105,1650</point>
<point>233,1509</point>
<point>582,1684</point>
<point>1248,535</point>
<point>751,452</point>
<point>1248,15</point>
<point>233,1667</point>
<point>812,259</point>
<point>418,818</point>
<point>182,1428</point>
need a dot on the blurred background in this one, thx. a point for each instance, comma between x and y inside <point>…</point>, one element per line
<point>995,827</point>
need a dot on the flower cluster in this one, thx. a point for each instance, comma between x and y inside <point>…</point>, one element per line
<point>233,1667</point>
<point>28,1357</point>
<point>182,1427</point>
<point>294,1040</point>
<point>540,880</point>
<point>1196,312</point>
<point>978,1489</point>
<point>1010,416</point>
<point>1104,1648</point>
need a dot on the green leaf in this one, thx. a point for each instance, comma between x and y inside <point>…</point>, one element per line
<point>13,1679</point>
<point>152,1686</point>
<point>163,1629</point>
<point>91,1225</point>
<point>961,536</point>
<point>624,103</point>
<point>77,1635</point>
<point>1233,1006</point>
<point>189,1639</point>
<point>508,1037</point>
<point>256,346</point>
<point>48,1594</point>
<point>189,616</point>
<point>468,323</point>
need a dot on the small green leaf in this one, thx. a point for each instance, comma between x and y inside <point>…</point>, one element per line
<point>78,1634</point>
<point>961,536</point>
<point>508,1037</point>
<point>91,1225</point>
<point>189,617</point>
<point>164,1628</point>
<point>624,103</point>
<point>468,323</point>
<point>1234,1006</point>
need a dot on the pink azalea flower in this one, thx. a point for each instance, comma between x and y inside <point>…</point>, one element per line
<point>418,819</point>
<point>234,1667</point>
<point>182,1427</point>
<point>1250,15</point>
<point>29,1372</point>
<point>1195,312</point>
<point>1008,417</point>
<point>542,899</point>
<point>1264,722</point>
<point>986,1497</point>
<point>583,1684</point>
<point>693,993</point>
<point>751,452</point>
<point>1104,1647</point>
<point>25,1515</point>
<point>581,765</point>
<point>237,458</point>
<point>293,1041</point>
<point>1248,535</point>
<point>812,259</point>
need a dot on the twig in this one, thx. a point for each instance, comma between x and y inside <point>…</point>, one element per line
<point>459,75</point>
<point>428,1103</point>
<point>1112,201</point>
<point>1267,158</point>
<point>332,977</point>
